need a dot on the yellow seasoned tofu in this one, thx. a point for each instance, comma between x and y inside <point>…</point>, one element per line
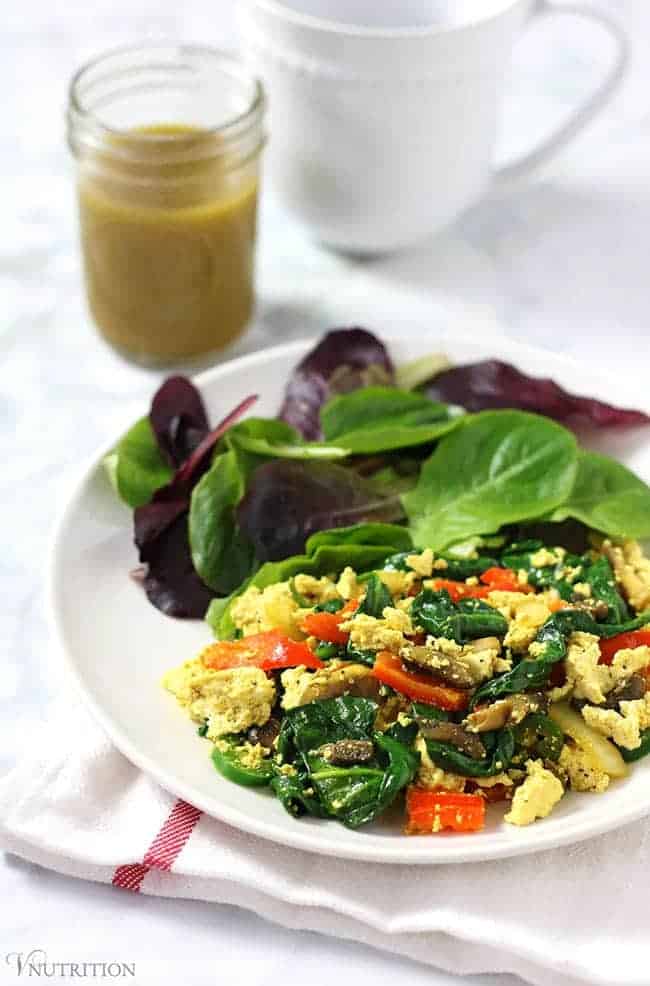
<point>369,633</point>
<point>582,772</point>
<point>624,727</point>
<point>336,678</point>
<point>230,701</point>
<point>258,610</point>
<point>536,797</point>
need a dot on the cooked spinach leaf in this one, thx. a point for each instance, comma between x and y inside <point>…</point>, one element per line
<point>500,747</point>
<point>229,757</point>
<point>376,599</point>
<point>538,736</point>
<point>355,794</point>
<point>466,620</point>
<point>495,468</point>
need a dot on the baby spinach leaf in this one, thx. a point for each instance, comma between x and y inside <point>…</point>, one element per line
<point>495,468</point>
<point>221,554</point>
<point>500,747</point>
<point>609,497</point>
<point>539,736</point>
<point>274,439</point>
<point>391,535</point>
<point>466,620</point>
<point>380,419</point>
<point>136,467</point>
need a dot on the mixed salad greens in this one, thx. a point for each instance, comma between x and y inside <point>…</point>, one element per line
<point>446,599</point>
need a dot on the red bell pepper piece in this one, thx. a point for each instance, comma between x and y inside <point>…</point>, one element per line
<point>418,686</point>
<point>432,811</point>
<point>269,651</point>
<point>623,641</point>
<point>327,626</point>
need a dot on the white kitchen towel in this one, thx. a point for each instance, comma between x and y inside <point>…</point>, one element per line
<point>561,918</point>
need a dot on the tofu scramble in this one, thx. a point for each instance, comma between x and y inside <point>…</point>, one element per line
<point>458,681</point>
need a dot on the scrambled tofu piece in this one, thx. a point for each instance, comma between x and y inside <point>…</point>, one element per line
<point>528,615</point>
<point>421,564</point>
<point>398,583</point>
<point>336,678</point>
<point>624,727</point>
<point>627,661</point>
<point>582,774</point>
<point>475,661</point>
<point>589,679</point>
<point>230,701</point>
<point>432,777</point>
<point>316,590</point>
<point>369,633</point>
<point>258,610</point>
<point>536,797</point>
<point>547,556</point>
<point>347,585</point>
<point>632,572</point>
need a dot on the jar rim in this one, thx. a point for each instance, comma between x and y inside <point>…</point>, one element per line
<point>232,125</point>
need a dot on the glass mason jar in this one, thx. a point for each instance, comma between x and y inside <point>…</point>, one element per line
<point>167,140</point>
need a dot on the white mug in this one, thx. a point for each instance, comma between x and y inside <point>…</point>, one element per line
<point>383,115</point>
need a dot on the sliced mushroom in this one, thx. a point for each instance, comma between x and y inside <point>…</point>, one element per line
<point>626,691</point>
<point>596,608</point>
<point>346,752</point>
<point>445,667</point>
<point>506,712</point>
<point>264,735</point>
<point>451,732</point>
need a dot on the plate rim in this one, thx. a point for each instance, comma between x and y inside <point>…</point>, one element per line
<point>306,839</point>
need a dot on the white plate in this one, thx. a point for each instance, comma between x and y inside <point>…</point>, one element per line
<point>118,646</point>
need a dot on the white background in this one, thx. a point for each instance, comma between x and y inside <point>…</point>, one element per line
<point>564,262</point>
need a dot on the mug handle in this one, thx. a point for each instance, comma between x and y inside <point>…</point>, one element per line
<point>550,145</point>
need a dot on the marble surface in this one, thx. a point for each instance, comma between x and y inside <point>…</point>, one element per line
<point>560,262</point>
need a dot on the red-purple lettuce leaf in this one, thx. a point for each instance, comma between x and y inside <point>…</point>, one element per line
<point>344,360</point>
<point>178,419</point>
<point>161,533</point>
<point>492,384</point>
<point>287,501</point>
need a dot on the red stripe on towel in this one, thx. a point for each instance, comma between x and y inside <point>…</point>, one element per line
<point>163,851</point>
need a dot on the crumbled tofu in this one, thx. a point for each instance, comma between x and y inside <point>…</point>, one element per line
<point>590,680</point>
<point>397,619</point>
<point>506,602</point>
<point>368,633</point>
<point>582,590</point>
<point>582,774</point>
<point>536,797</point>
<point>440,564</point>
<point>624,727</point>
<point>632,571</point>
<point>320,590</point>
<point>530,613</point>
<point>432,777</point>
<point>258,610</point>
<point>421,564</point>
<point>336,678</point>
<point>627,661</point>
<point>230,701</point>
<point>478,658</point>
<point>546,556</point>
<point>347,585</point>
<point>397,583</point>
